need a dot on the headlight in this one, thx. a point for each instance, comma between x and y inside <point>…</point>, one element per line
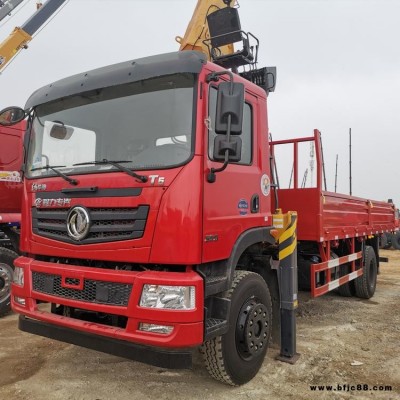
<point>168,297</point>
<point>18,277</point>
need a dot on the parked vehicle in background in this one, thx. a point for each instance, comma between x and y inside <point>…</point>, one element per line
<point>11,140</point>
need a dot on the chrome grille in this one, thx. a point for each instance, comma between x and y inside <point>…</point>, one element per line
<point>107,224</point>
<point>94,291</point>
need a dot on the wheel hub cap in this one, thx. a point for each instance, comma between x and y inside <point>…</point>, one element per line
<point>252,328</point>
<point>5,280</point>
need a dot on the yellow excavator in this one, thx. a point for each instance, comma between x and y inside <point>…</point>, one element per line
<point>21,36</point>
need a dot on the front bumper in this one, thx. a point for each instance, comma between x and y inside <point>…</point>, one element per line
<point>177,359</point>
<point>188,325</point>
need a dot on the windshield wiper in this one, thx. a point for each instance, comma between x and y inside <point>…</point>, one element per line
<point>116,164</point>
<point>59,173</point>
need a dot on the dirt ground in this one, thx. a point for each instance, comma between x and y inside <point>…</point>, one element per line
<point>342,341</point>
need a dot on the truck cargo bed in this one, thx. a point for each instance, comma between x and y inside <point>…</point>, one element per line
<point>326,215</point>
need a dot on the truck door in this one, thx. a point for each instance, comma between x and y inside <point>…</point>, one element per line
<point>234,202</point>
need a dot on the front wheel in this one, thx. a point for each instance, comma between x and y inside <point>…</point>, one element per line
<point>236,357</point>
<point>7,258</point>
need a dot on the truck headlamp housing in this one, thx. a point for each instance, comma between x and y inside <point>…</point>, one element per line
<point>168,297</point>
<point>18,276</point>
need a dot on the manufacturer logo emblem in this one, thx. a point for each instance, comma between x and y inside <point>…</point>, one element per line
<point>78,223</point>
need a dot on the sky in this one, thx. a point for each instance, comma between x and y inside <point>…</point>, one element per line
<point>338,68</point>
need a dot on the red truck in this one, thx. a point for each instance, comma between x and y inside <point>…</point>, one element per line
<point>152,222</point>
<point>11,139</point>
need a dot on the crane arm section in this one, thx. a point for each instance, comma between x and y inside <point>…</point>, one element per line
<point>7,7</point>
<point>16,41</point>
<point>20,36</point>
<point>197,30</point>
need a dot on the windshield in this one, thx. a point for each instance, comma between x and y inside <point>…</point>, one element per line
<point>146,124</point>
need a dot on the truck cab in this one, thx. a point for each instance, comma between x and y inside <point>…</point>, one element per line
<point>131,229</point>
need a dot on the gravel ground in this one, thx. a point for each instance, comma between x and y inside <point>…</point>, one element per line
<point>342,341</point>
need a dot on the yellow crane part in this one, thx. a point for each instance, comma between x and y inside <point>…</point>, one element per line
<point>197,30</point>
<point>16,41</point>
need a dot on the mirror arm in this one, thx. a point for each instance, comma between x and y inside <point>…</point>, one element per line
<point>214,76</point>
<point>211,177</point>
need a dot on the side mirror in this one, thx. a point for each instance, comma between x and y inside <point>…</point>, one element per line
<point>234,147</point>
<point>11,116</point>
<point>230,102</point>
<point>271,79</point>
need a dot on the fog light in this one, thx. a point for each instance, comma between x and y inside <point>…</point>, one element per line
<point>19,300</point>
<point>168,297</point>
<point>18,277</point>
<point>163,329</point>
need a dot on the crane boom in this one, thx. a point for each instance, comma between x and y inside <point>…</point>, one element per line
<point>197,30</point>
<point>20,36</point>
<point>7,7</point>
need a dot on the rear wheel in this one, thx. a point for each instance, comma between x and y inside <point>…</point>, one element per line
<point>347,289</point>
<point>236,357</point>
<point>396,240</point>
<point>7,258</point>
<point>383,241</point>
<point>365,285</point>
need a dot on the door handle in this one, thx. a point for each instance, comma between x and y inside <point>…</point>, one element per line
<point>255,204</point>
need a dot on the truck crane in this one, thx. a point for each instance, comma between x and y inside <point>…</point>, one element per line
<point>21,36</point>
<point>153,224</point>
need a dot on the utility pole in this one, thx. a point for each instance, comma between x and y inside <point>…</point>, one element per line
<point>337,156</point>
<point>351,189</point>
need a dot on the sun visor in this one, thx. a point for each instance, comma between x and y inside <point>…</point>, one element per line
<point>118,74</point>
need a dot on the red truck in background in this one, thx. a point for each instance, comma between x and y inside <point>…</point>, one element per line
<point>11,140</point>
<point>153,223</point>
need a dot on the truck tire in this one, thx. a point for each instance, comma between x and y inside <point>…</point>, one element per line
<point>235,357</point>
<point>383,241</point>
<point>347,289</point>
<point>365,285</point>
<point>7,258</point>
<point>396,240</point>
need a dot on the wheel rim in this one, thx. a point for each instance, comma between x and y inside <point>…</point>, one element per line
<point>5,280</point>
<point>252,329</point>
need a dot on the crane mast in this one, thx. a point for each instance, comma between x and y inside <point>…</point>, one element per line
<point>197,30</point>
<point>214,29</point>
